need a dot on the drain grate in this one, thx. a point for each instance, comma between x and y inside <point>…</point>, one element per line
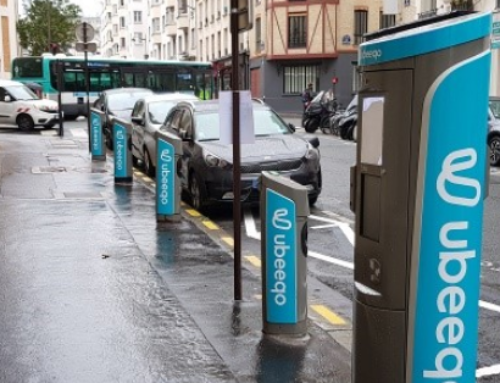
<point>48,169</point>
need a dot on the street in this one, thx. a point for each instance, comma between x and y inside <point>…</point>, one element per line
<point>331,240</point>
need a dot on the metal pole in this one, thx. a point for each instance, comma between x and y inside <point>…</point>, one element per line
<point>87,79</point>
<point>236,151</point>
<point>59,97</point>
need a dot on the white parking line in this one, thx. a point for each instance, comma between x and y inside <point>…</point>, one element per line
<point>488,371</point>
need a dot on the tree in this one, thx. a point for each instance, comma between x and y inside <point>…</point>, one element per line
<point>46,24</point>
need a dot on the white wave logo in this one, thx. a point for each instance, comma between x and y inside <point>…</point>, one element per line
<point>165,155</point>
<point>280,220</point>
<point>454,163</point>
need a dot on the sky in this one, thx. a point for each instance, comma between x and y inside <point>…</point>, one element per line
<point>89,7</point>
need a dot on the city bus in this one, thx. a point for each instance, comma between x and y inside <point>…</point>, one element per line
<point>105,73</point>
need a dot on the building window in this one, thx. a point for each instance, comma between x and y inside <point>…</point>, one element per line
<point>297,31</point>
<point>193,40</point>
<point>115,9</point>
<point>182,7</point>
<point>169,16</point>
<point>137,17</point>
<point>360,26</point>
<point>407,3</point>
<point>497,4</point>
<point>387,21</point>
<point>296,78</point>
<point>138,38</point>
<point>122,3</point>
<point>122,40</point>
<point>258,37</point>
<point>156,25</point>
<point>122,22</point>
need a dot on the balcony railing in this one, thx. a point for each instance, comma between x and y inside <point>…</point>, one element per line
<point>427,14</point>
<point>462,5</point>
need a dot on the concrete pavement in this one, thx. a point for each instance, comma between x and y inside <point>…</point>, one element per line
<point>94,290</point>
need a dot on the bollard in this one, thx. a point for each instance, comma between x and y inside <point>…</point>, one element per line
<point>97,142</point>
<point>417,190</point>
<point>168,184</point>
<point>122,146</point>
<point>284,212</point>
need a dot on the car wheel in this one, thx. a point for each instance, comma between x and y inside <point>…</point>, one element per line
<point>494,145</point>
<point>197,193</point>
<point>355,133</point>
<point>149,168</point>
<point>25,122</point>
<point>135,161</point>
<point>313,199</point>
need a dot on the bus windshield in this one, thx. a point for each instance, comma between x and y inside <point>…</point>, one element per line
<point>28,67</point>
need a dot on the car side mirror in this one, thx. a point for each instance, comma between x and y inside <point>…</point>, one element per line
<point>292,127</point>
<point>7,98</point>
<point>138,120</point>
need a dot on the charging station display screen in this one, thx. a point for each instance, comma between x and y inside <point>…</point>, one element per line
<point>373,128</point>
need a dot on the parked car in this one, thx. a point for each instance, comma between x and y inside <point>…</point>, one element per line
<point>20,107</point>
<point>119,103</point>
<point>206,169</point>
<point>148,115</point>
<point>494,130</point>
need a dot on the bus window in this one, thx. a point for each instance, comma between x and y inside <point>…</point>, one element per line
<point>161,82</point>
<point>185,83</point>
<point>128,80</point>
<point>140,80</point>
<point>27,67</point>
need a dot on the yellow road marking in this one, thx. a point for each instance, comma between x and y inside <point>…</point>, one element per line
<point>254,260</point>
<point>138,173</point>
<point>210,225</point>
<point>147,179</point>
<point>258,297</point>
<point>193,213</point>
<point>329,315</point>
<point>228,240</point>
<point>183,204</point>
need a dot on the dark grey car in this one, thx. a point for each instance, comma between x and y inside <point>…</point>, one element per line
<point>119,103</point>
<point>207,164</point>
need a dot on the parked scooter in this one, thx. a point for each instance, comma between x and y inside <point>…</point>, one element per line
<point>319,112</point>
<point>348,123</point>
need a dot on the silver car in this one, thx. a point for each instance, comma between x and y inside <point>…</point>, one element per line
<point>147,116</point>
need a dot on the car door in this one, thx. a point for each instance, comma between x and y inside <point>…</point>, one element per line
<point>7,108</point>
<point>138,130</point>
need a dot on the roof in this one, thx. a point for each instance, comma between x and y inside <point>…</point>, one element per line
<point>213,106</point>
<point>10,83</point>
<point>127,90</point>
<point>170,97</point>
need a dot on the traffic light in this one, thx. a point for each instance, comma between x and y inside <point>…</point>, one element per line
<point>54,48</point>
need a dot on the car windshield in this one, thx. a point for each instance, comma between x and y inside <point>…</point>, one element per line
<point>266,123</point>
<point>158,110</point>
<point>21,93</point>
<point>125,101</point>
<point>495,108</point>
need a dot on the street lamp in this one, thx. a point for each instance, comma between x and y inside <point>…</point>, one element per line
<point>145,39</point>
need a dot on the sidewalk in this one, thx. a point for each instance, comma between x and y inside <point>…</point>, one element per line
<point>94,290</point>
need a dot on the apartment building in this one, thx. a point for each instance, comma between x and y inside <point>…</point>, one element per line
<point>8,36</point>
<point>124,29</point>
<point>294,43</point>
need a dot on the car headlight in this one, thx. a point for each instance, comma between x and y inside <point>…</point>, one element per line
<point>214,161</point>
<point>312,153</point>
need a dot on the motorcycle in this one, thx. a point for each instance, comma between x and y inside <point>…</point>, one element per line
<point>348,123</point>
<point>319,112</point>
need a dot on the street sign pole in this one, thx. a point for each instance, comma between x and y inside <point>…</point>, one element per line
<point>87,79</point>
<point>60,83</point>
<point>236,150</point>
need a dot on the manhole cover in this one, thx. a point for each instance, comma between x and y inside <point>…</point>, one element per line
<point>48,169</point>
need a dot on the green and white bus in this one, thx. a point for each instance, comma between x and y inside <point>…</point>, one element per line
<point>104,73</point>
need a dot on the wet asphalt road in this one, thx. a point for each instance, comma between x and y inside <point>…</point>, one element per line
<point>94,290</point>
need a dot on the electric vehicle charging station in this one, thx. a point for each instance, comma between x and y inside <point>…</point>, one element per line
<point>417,191</point>
<point>122,147</point>
<point>168,184</point>
<point>97,142</point>
<point>284,211</point>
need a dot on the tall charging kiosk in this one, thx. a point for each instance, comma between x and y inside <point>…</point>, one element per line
<point>417,191</point>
